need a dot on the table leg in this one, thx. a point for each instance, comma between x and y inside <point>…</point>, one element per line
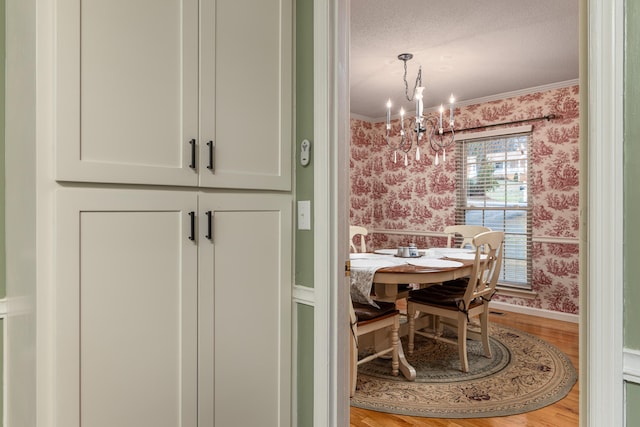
<point>381,341</point>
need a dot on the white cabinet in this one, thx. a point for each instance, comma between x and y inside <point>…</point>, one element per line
<point>122,311</point>
<point>126,304</point>
<point>174,92</point>
<point>168,321</point>
<point>245,310</point>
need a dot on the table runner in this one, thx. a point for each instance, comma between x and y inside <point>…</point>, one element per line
<point>363,268</point>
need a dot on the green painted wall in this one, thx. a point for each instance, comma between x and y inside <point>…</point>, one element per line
<point>633,409</point>
<point>305,366</point>
<point>632,199</point>
<point>304,191</point>
<point>304,130</point>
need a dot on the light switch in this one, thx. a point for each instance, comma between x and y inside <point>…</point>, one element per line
<point>304,214</point>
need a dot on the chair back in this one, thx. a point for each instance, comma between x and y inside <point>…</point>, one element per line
<point>486,266</point>
<point>356,230</point>
<point>468,232</point>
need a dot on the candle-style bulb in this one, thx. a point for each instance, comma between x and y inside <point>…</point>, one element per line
<point>440,121</point>
<point>417,153</point>
<point>419,102</point>
<point>437,161</point>
<point>444,155</point>
<point>451,106</point>
<point>389,114</point>
<point>406,161</point>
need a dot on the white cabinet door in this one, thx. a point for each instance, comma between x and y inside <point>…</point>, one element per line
<point>246,94</point>
<point>126,309</point>
<point>126,91</point>
<point>245,311</point>
<point>174,92</point>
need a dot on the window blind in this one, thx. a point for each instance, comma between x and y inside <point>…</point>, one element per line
<point>493,177</point>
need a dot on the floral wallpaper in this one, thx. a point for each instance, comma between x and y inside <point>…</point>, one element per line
<point>419,198</point>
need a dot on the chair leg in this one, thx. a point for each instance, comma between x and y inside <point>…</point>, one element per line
<point>462,342</point>
<point>411,316</point>
<point>484,326</point>
<point>353,350</point>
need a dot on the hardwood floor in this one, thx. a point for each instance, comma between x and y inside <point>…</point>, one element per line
<point>564,413</point>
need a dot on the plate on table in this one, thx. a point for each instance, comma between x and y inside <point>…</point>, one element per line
<point>363,256</point>
<point>421,252</point>
<point>435,263</point>
<point>386,251</point>
<point>452,250</point>
<point>464,256</point>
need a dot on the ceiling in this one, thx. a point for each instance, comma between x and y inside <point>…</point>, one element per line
<point>471,48</point>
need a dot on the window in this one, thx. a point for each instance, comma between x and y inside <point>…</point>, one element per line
<point>493,175</point>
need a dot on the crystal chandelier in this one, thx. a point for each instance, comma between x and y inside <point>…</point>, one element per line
<point>413,130</point>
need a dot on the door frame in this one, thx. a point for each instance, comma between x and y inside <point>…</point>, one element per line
<point>601,207</point>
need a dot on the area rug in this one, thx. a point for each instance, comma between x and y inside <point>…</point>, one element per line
<point>524,374</point>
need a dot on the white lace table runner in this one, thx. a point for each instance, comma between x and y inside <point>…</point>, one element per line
<point>363,268</point>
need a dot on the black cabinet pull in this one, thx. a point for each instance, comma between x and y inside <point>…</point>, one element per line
<point>192,165</point>
<point>209,225</point>
<point>193,225</point>
<point>211,148</point>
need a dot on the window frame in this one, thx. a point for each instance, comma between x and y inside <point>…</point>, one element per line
<point>462,207</point>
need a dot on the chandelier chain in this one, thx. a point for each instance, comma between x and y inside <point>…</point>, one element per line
<point>406,84</point>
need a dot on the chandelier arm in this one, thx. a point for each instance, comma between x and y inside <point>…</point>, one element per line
<point>438,141</point>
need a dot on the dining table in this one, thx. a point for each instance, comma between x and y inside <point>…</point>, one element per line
<point>376,276</point>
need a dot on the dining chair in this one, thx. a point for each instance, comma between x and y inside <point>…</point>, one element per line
<point>468,232</point>
<point>356,230</point>
<point>365,319</point>
<point>460,304</point>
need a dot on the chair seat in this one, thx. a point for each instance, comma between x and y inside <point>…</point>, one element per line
<point>462,282</point>
<point>366,312</point>
<point>442,296</point>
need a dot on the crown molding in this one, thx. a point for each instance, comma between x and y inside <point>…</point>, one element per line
<point>490,98</point>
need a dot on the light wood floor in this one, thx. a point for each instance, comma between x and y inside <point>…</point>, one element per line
<point>564,413</point>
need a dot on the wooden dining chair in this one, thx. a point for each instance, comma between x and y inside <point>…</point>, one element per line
<point>356,230</point>
<point>467,232</point>
<point>460,236</point>
<point>460,304</point>
<point>365,319</point>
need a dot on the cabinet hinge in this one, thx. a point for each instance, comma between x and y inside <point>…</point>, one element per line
<point>347,269</point>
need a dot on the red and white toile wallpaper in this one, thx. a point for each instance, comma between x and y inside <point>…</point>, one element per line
<point>420,197</point>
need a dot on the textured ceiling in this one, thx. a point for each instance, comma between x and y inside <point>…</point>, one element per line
<point>471,48</point>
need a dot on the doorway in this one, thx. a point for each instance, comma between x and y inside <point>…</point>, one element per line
<point>602,402</point>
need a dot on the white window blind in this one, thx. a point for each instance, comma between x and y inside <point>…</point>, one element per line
<point>493,192</point>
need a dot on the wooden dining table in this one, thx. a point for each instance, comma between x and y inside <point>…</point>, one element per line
<point>385,287</point>
<point>386,280</point>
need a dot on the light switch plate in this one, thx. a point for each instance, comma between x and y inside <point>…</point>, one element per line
<point>304,214</point>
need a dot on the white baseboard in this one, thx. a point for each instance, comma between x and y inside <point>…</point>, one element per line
<point>549,314</point>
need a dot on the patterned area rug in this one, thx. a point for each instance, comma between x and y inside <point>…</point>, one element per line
<point>524,374</point>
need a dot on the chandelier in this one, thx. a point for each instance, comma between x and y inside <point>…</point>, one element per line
<point>413,130</point>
